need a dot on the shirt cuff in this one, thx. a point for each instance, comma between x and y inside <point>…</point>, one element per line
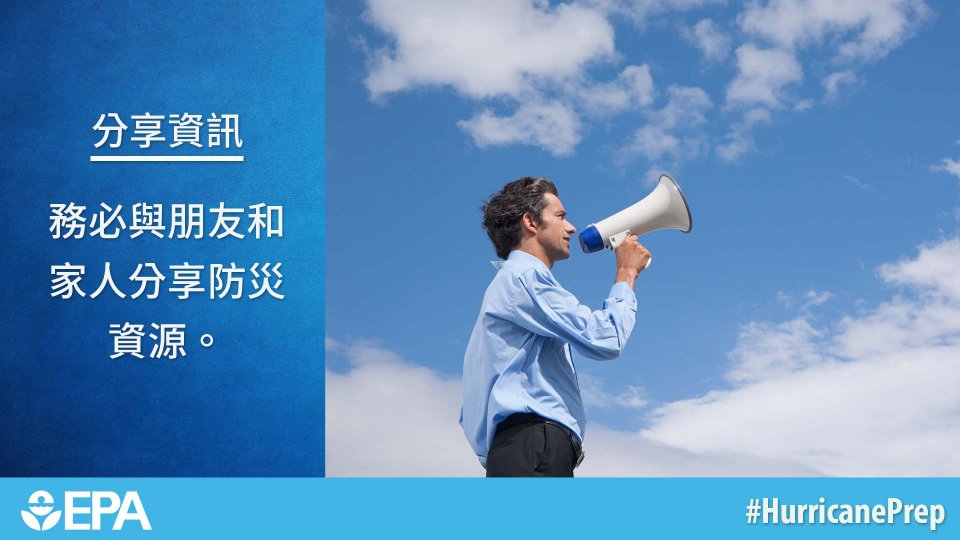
<point>621,292</point>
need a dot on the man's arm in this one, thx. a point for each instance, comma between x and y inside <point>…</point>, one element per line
<point>543,307</point>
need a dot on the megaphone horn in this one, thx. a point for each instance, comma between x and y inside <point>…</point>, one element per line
<point>664,208</point>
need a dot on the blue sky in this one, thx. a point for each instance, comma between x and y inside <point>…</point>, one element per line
<point>816,144</point>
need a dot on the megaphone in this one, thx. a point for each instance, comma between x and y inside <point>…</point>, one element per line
<point>664,208</point>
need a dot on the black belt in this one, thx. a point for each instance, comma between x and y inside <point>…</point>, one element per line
<point>517,419</point>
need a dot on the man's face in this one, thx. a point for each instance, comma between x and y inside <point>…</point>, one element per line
<point>555,231</point>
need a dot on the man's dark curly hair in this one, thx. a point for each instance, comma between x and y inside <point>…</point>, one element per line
<point>502,212</point>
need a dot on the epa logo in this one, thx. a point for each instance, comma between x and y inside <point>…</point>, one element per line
<point>41,506</point>
<point>84,510</point>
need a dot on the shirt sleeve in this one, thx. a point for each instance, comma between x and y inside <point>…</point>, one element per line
<point>543,307</point>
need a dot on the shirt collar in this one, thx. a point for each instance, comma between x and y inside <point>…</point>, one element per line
<point>522,259</point>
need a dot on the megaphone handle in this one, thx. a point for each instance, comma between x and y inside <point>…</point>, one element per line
<point>618,239</point>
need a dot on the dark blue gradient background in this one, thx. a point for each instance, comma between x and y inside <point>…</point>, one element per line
<point>251,405</point>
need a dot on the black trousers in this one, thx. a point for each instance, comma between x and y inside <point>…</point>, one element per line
<point>530,445</point>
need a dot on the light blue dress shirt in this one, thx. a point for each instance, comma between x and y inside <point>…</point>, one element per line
<point>519,357</point>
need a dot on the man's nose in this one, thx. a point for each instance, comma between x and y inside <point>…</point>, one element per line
<point>570,228</point>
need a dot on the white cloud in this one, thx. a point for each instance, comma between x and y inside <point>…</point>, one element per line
<point>855,30</point>
<point>530,59</point>
<point>734,146</point>
<point>632,398</point>
<point>935,270</point>
<point>552,126</point>
<point>810,299</point>
<point>739,141</point>
<point>765,350</point>
<point>950,166</point>
<point>815,298</point>
<point>671,131</point>
<point>707,36</point>
<point>686,107</point>
<point>615,453</point>
<point>632,89</point>
<point>873,395</point>
<point>591,389</point>
<point>639,11</point>
<point>526,56</point>
<point>803,105</point>
<point>484,49</point>
<point>865,29</point>
<point>653,142</point>
<point>886,416</point>
<point>387,417</point>
<point>856,181</point>
<point>835,81</point>
<point>762,75</point>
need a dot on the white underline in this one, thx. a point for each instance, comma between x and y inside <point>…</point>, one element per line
<point>166,158</point>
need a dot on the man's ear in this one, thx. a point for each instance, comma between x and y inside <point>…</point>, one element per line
<point>528,223</point>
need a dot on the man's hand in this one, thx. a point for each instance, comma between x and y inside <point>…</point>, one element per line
<point>632,258</point>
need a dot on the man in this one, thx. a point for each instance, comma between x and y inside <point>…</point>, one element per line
<point>522,410</point>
